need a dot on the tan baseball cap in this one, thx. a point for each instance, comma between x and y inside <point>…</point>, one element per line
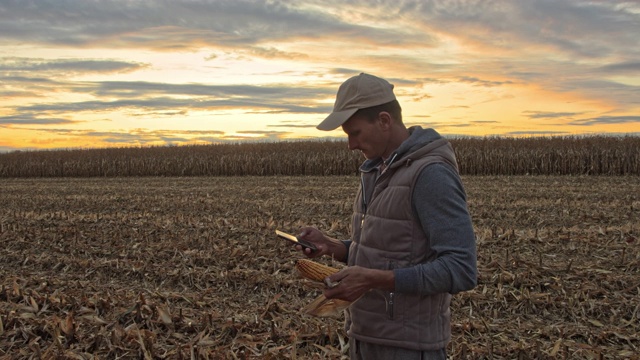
<point>358,92</point>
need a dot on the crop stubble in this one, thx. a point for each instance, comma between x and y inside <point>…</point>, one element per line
<point>190,268</point>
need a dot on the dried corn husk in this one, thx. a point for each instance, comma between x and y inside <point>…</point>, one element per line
<point>321,306</point>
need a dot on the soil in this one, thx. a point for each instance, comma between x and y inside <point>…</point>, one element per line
<point>175,268</point>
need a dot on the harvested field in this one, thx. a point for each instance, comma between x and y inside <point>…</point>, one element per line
<point>175,268</point>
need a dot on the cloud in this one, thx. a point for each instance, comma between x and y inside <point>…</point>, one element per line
<point>625,68</point>
<point>483,122</point>
<point>247,57</point>
<point>607,120</point>
<point>594,29</point>
<point>481,82</point>
<point>26,80</point>
<point>181,98</point>
<point>301,126</point>
<point>139,136</point>
<point>599,120</point>
<point>549,115</point>
<point>274,53</point>
<point>603,88</point>
<point>250,137</point>
<point>174,25</point>
<point>67,66</point>
<point>142,89</point>
<point>33,120</point>
<point>536,132</point>
<point>173,103</point>
<point>591,29</point>
<point>449,125</point>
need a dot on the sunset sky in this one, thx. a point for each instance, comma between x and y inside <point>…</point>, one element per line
<point>89,73</point>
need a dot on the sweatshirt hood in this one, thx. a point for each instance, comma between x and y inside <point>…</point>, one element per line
<point>418,138</point>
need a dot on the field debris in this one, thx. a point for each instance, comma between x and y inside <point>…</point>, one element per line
<point>189,268</point>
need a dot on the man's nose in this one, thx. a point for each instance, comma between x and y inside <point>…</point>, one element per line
<point>352,144</point>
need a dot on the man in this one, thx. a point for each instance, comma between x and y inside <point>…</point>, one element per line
<point>412,243</point>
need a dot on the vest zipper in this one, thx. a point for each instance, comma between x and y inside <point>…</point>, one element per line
<point>390,303</point>
<point>364,203</point>
<point>390,306</point>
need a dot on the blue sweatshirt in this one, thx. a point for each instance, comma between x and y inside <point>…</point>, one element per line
<point>439,201</point>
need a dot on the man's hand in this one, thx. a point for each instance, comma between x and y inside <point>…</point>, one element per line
<point>354,281</point>
<point>324,244</point>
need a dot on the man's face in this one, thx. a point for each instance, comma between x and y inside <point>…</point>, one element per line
<point>367,136</point>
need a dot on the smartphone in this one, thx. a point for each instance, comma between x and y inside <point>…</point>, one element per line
<point>295,240</point>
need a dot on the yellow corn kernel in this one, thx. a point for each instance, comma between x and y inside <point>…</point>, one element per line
<point>313,270</point>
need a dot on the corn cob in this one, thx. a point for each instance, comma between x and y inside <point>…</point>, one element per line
<point>313,270</point>
<point>321,306</point>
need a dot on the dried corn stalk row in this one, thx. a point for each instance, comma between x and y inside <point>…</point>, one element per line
<point>570,155</point>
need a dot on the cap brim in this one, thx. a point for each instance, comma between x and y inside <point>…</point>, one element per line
<point>335,119</point>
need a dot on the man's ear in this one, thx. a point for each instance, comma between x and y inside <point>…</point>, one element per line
<point>386,121</point>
